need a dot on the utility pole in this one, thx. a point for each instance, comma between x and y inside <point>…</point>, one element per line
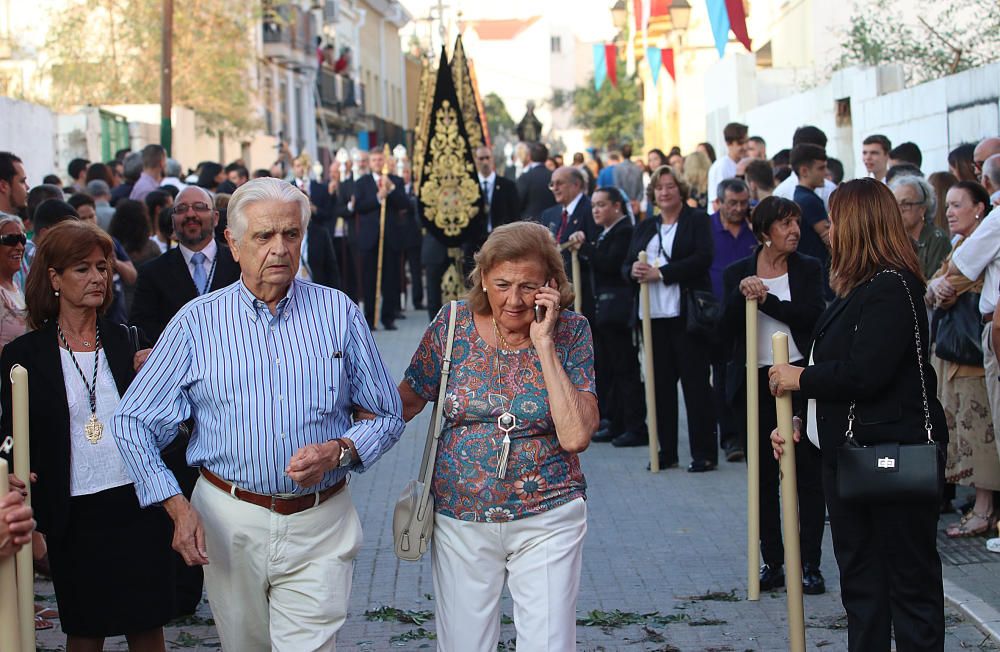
<point>166,76</point>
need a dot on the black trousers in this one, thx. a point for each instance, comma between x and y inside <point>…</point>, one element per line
<point>724,415</point>
<point>678,355</point>
<point>808,461</point>
<point>345,258</point>
<point>411,259</point>
<point>890,571</point>
<point>390,284</point>
<point>188,580</point>
<point>619,384</point>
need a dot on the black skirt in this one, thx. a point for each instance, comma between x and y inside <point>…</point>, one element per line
<point>113,570</point>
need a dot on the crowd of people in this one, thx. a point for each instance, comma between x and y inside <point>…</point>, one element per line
<point>113,288</point>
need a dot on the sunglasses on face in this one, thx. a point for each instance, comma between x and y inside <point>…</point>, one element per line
<point>13,239</point>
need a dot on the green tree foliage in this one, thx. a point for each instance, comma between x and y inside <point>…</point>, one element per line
<point>497,117</point>
<point>611,115</point>
<point>108,52</point>
<point>935,38</point>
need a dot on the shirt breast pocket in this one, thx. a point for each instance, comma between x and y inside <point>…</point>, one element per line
<point>322,379</point>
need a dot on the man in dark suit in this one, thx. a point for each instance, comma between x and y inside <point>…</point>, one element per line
<point>500,197</point>
<point>370,191</point>
<point>410,238</point>
<point>572,213</point>
<point>533,184</point>
<point>198,265</point>
<point>319,260</point>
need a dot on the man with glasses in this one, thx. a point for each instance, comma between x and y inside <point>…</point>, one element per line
<point>197,266</point>
<point>573,212</point>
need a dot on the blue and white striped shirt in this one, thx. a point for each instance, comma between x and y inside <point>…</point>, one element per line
<point>259,387</point>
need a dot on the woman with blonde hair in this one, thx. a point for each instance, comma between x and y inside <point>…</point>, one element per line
<point>520,406</point>
<point>869,375</point>
<point>696,165</point>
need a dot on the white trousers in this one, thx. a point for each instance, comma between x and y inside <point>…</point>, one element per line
<point>278,582</point>
<point>539,557</point>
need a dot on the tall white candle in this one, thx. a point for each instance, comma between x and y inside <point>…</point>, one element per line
<point>10,637</point>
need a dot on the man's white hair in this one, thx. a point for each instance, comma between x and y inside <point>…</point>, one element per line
<point>263,189</point>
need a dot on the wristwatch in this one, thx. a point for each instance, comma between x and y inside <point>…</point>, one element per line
<point>346,454</point>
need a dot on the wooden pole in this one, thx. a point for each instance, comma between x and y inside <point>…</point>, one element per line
<point>574,259</point>
<point>381,237</point>
<point>22,469</point>
<point>166,78</point>
<point>753,456</point>
<point>10,637</point>
<point>647,350</point>
<point>789,507</point>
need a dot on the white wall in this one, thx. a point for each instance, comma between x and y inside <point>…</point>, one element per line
<point>937,115</point>
<point>29,131</point>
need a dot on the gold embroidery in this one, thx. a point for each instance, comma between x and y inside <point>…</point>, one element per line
<point>426,98</point>
<point>466,96</point>
<point>453,281</point>
<point>449,193</point>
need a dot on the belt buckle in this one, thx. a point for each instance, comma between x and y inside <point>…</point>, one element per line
<point>274,502</point>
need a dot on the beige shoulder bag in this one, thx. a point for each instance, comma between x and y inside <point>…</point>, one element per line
<point>413,518</point>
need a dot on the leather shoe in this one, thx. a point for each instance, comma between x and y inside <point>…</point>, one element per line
<point>628,438</point>
<point>700,466</point>
<point>772,577</point>
<point>733,452</point>
<point>812,580</point>
<point>664,464</point>
<point>603,436</point>
<point>389,327</point>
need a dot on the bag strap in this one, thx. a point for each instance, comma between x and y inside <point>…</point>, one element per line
<point>434,428</point>
<point>920,364</point>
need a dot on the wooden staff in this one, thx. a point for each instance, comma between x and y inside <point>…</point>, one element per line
<point>10,637</point>
<point>789,507</point>
<point>574,259</point>
<point>753,456</point>
<point>22,469</point>
<point>647,350</point>
<point>381,236</point>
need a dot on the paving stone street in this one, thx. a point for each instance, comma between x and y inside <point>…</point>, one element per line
<point>664,564</point>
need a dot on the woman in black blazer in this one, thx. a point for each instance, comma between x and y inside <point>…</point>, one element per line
<point>111,561</point>
<point>616,357</point>
<point>788,287</point>
<point>865,352</point>
<point>679,245</point>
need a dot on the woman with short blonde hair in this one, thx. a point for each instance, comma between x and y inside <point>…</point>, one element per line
<point>696,166</point>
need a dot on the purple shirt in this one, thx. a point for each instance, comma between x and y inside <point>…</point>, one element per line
<point>728,250</point>
<point>145,185</point>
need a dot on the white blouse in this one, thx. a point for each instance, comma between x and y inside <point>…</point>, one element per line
<point>768,325</point>
<point>99,466</point>
<point>664,300</point>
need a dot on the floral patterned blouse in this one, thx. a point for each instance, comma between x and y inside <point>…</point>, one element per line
<point>540,475</point>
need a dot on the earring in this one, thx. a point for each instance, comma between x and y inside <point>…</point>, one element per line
<point>57,292</point>
<point>767,243</point>
<point>977,217</point>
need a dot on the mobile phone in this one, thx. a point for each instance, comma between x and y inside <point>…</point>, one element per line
<point>539,313</point>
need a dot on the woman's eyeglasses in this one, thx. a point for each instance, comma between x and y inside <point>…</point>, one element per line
<point>13,239</point>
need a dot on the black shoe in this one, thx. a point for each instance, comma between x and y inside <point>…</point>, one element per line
<point>419,306</point>
<point>628,438</point>
<point>389,327</point>
<point>733,452</point>
<point>603,436</point>
<point>772,577</point>
<point>700,466</point>
<point>664,464</point>
<point>812,580</point>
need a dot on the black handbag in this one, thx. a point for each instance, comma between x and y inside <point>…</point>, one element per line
<point>890,472</point>
<point>615,307</point>
<point>959,332</point>
<point>702,312</point>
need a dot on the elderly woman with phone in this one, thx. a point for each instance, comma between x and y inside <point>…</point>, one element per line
<point>508,488</point>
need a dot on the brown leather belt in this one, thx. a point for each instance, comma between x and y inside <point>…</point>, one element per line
<point>278,504</point>
<point>988,317</point>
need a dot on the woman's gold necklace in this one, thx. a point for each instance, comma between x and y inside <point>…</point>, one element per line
<point>506,422</point>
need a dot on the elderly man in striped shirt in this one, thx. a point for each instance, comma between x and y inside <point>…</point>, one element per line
<point>270,368</point>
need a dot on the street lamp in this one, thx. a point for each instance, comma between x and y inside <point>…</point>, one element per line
<point>619,14</point>
<point>680,14</point>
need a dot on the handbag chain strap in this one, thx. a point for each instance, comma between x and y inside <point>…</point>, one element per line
<point>920,365</point>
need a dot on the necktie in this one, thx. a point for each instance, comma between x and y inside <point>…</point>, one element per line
<point>562,226</point>
<point>198,273</point>
<point>486,203</point>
